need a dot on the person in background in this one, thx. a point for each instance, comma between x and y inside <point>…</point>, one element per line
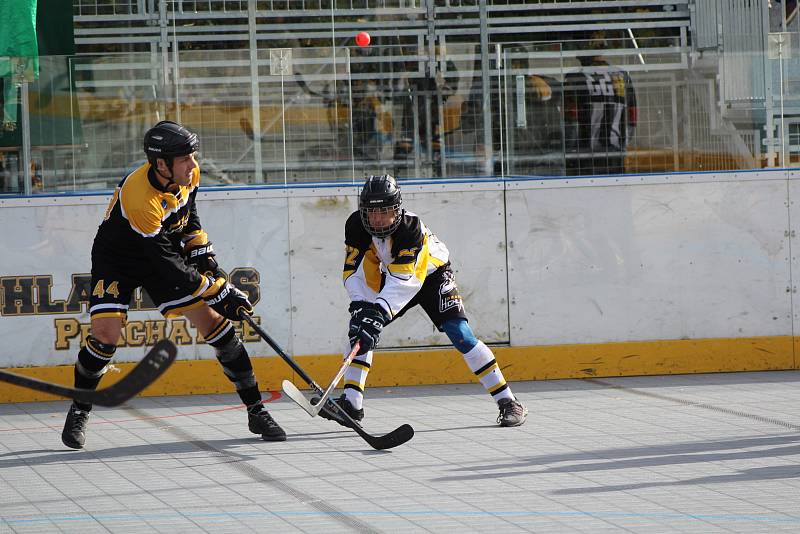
<point>600,115</point>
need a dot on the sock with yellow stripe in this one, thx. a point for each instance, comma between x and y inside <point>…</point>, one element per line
<point>355,379</point>
<point>482,363</point>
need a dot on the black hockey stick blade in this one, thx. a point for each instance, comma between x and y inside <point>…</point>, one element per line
<point>155,362</point>
<point>396,437</point>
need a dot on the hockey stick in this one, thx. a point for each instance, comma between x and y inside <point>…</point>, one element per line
<point>153,365</point>
<point>313,409</point>
<point>396,437</point>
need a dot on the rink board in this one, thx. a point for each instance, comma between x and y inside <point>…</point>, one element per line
<point>566,277</point>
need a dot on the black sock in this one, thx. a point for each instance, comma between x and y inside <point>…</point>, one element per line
<point>93,359</point>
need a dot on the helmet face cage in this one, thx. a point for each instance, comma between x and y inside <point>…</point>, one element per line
<point>167,140</point>
<point>384,231</point>
<point>380,195</point>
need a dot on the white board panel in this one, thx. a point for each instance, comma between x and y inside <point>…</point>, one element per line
<point>318,298</point>
<point>293,240</point>
<point>794,233</point>
<point>53,243</point>
<point>469,222</point>
<point>252,232</point>
<point>636,258</point>
<point>639,262</point>
<point>50,243</point>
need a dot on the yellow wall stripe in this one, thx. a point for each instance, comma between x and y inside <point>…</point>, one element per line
<point>188,377</point>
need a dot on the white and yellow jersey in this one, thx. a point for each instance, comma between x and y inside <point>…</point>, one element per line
<point>390,271</point>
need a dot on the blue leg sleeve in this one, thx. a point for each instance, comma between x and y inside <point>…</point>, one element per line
<point>460,334</point>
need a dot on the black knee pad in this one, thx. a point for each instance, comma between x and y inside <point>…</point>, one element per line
<point>231,352</point>
<point>236,363</point>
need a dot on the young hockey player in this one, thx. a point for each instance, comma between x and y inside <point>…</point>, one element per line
<point>393,263</point>
<point>151,237</point>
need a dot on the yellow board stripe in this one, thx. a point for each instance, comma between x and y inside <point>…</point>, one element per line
<point>187,377</point>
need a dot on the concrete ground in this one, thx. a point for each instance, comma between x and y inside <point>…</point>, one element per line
<point>699,453</point>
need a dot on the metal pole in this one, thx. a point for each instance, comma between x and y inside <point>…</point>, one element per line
<point>163,24</point>
<point>350,137</point>
<point>675,145</point>
<point>486,88</point>
<point>25,159</point>
<point>255,98</point>
<point>176,75</point>
<point>769,125</point>
<point>503,117</point>
<point>26,141</point>
<point>784,140</point>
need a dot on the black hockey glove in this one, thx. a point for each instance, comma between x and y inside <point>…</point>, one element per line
<point>201,257</point>
<point>230,302</point>
<point>366,323</point>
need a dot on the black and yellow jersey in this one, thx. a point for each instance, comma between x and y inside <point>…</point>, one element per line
<point>390,271</point>
<point>601,101</point>
<point>147,227</point>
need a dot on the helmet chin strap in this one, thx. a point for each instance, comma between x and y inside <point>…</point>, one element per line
<point>171,178</point>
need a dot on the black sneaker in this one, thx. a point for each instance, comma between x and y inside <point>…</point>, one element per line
<point>259,421</point>
<point>512,413</point>
<point>342,402</point>
<point>74,433</point>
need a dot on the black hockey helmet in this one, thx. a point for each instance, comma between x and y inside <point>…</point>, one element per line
<point>380,194</point>
<point>168,139</point>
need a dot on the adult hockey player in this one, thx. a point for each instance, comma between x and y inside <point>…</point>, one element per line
<point>151,237</point>
<point>393,263</point>
<point>600,115</point>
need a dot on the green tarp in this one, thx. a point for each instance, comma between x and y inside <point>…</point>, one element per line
<point>19,52</point>
<point>52,104</point>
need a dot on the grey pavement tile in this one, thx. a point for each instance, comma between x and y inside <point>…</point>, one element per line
<point>702,453</point>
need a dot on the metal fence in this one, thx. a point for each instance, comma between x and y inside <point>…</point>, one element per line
<point>445,89</point>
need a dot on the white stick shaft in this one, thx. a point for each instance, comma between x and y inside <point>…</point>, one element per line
<point>339,375</point>
<point>313,409</point>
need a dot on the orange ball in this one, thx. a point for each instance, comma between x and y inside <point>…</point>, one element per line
<point>363,39</point>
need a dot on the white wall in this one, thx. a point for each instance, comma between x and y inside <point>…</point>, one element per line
<point>668,257</point>
<point>540,262</point>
